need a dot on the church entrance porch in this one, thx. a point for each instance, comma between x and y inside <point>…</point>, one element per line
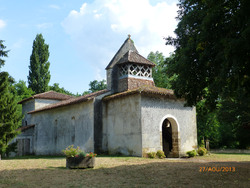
<point>170,140</point>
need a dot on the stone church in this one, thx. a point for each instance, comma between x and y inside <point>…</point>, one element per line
<point>131,117</point>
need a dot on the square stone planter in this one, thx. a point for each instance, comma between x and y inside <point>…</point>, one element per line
<point>80,162</point>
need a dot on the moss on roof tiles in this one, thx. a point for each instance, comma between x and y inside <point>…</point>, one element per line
<point>146,89</point>
<point>134,57</point>
<point>48,95</point>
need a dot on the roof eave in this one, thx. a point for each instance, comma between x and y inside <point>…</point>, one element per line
<point>59,106</point>
<point>24,100</point>
<point>140,91</point>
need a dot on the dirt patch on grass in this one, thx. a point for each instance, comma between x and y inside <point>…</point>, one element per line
<point>125,172</point>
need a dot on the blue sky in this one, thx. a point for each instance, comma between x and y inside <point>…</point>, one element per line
<point>83,35</point>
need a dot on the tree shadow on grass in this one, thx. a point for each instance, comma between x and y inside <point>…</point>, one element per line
<point>34,157</point>
<point>155,174</point>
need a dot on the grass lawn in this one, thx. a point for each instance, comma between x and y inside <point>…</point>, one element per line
<point>129,172</point>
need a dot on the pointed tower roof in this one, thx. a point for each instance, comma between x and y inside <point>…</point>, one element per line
<point>126,46</point>
<point>134,57</point>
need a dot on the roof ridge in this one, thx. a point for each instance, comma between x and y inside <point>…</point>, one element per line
<point>47,92</point>
<point>70,101</point>
<point>144,89</point>
<point>134,57</point>
<point>50,95</point>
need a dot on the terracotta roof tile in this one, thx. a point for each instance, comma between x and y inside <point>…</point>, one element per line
<point>48,95</point>
<point>144,89</point>
<point>134,57</point>
<point>71,101</point>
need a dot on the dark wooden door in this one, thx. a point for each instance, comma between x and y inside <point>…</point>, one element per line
<point>167,137</point>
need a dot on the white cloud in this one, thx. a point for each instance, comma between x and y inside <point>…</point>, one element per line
<point>2,24</point>
<point>54,7</point>
<point>44,25</point>
<point>98,29</point>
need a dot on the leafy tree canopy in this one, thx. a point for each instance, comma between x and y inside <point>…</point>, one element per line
<point>59,89</point>
<point>161,78</point>
<point>96,86</point>
<point>212,50</point>
<point>22,90</point>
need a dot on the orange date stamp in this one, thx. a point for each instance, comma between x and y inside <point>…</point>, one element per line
<point>216,169</point>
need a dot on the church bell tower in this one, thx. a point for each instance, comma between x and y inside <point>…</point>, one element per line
<point>128,69</point>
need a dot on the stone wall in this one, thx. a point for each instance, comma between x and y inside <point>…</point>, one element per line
<point>27,107</point>
<point>40,103</point>
<point>109,78</point>
<point>58,128</point>
<point>133,83</point>
<point>183,119</point>
<point>34,104</point>
<point>122,126</point>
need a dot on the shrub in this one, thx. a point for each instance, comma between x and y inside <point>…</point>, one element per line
<point>191,153</point>
<point>202,144</point>
<point>82,154</point>
<point>202,151</point>
<point>70,151</point>
<point>152,155</point>
<point>160,154</point>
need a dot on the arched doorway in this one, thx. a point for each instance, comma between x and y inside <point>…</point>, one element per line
<point>170,136</point>
<point>167,144</point>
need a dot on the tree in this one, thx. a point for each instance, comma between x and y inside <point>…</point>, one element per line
<point>212,50</point>
<point>96,86</point>
<point>212,57</point>
<point>9,117</point>
<point>57,88</point>
<point>161,78</point>
<point>3,53</point>
<point>208,125</point>
<point>22,90</point>
<point>39,74</point>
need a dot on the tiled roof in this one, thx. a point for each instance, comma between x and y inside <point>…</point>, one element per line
<point>134,57</point>
<point>144,89</point>
<point>48,95</point>
<point>71,101</point>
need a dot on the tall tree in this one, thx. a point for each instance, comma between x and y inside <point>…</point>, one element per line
<point>10,119</point>
<point>212,49</point>
<point>212,57</point>
<point>39,74</point>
